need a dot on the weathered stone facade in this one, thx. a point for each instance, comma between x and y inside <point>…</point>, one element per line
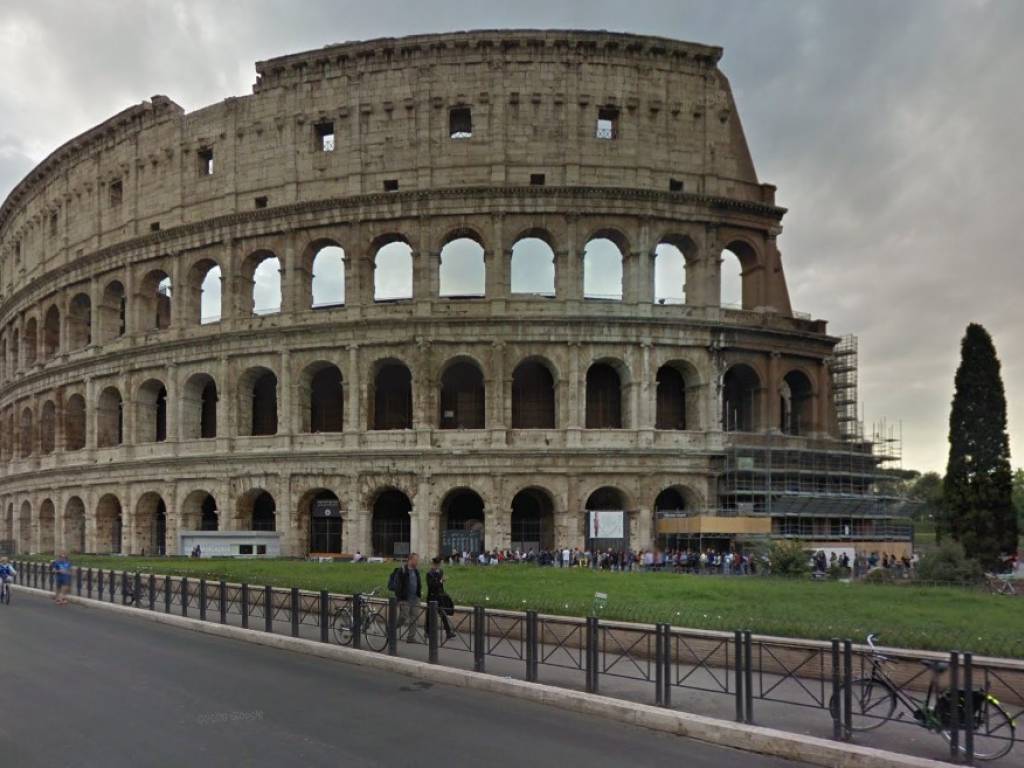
<point>107,416</point>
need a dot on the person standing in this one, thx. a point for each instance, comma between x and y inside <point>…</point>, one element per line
<point>61,568</point>
<point>436,593</point>
<point>405,583</point>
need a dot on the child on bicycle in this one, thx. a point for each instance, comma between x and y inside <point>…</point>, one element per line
<point>7,574</point>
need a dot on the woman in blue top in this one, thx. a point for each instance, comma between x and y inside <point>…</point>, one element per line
<point>61,568</point>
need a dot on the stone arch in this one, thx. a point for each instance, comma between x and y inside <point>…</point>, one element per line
<point>26,433</point>
<point>74,423</point>
<point>462,266</point>
<point>604,265</point>
<point>51,332</point>
<point>390,522</point>
<point>113,312</point>
<point>672,255</point>
<point>256,510</point>
<point>199,511</point>
<point>533,264</point>
<point>263,269</point>
<point>150,525</point>
<point>73,524</point>
<point>45,529</point>
<point>675,499</point>
<point>320,522</point>
<point>462,394</point>
<point>30,342</point>
<point>109,418</point>
<point>741,399</point>
<point>392,268</point>
<point>675,403</point>
<point>199,407</point>
<point>390,394</point>
<point>151,412</point>
<point>534,395</point>
<point>109,525</point>
<point>606,403</point>
<point>796,403</point>
<point>257,402</point>
<point>325,262</point>
<point>462,510</point>
<point>322,398</point>
<point>205,291</point>
<point>532,525</point>
<point>47,428</point>
<point>154,301</point>
<point>740,259</point>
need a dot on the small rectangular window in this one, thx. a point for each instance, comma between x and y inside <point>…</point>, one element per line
<point>17,251</point>
<point>537,179</point>
<point>54,224</point>
<point>116,193</point>
<point>607,123</point>
<point>205,156</point>
<point>325,136</point>
<point>675,185</point>
<point>154,227</point>
<point>245,549</point>
<point>460,123</point>
<point>390,185</point>
<point>261,549</point>
<point>261,202</point>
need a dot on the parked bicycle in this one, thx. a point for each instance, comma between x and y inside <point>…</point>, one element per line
<point>373,624</point>
<point>1000,585</point>
<point>876,696</point>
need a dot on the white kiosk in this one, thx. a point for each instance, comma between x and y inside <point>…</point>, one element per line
<point>230,543</point>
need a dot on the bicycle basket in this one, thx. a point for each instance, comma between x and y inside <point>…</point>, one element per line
<point>944,708</point>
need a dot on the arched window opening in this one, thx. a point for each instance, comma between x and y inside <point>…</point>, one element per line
<point>51,332</point>
<point>326,400</point>
<point>74,525</point>
<point>324,523</point>
<point>462,397</point>
<point>671,399</point>
<point>603,532</point>
<point>736,259</point>
<point>462,273</point>
<point>533,396</point>
<point>740,392</point>
<point>208,410</point>
<point>257,511</point>
<point>392,397</point>
<point>392,275</point>
<point>28,434</point>
<point>150,525</point>
<point>391,525</point>
<point>199,512</point>
<point>533,521</point>
<point>47,524</point>
<point>155,301</point>
<point>208,275</point>
<point>199,407</point>
<point>604,397</point>
<point>264,405</point>
<point>74,423</point>
<point>669,274</point>
<point>16,352</point>
<point>29,343</point>
<point>109,525</point>
<point>113,312</point>
<point>151,421</point>
<point>109,419</point>
<point>669,502</point>
<point>266,284</point>
<point>25,528</point>
<point>462,523</point>
<point>795,401</point>
<point>328,277</point>
<point>533,267</point>
<point>602,270</point>
<point>47,428</point>
<point>209,517</point>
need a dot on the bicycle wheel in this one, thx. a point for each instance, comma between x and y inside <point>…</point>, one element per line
<point>873,702</point>
<point>994,731</point>
<point>375,632</point>
<point>342,625</point>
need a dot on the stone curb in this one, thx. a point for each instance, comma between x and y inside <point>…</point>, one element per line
<point>750,738</point>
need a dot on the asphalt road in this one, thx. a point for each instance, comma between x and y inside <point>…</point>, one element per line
<point>83,688</point>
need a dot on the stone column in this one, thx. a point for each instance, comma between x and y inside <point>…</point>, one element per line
<point>773,414</point>
<point>353,420</point>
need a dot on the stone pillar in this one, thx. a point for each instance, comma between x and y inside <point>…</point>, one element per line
<point>498,528</point>
<point>285,408</point>
<point>353,420</point>
<point>773,414</point>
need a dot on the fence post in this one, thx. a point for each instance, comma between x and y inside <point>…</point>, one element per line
<point>223,600</point>
<point>969,707</point>
<point>78,581</point>
<point>590,643</point>
<point>245,606</point>
<point>738,659</point>
<point>847,690</point>
<point>88,583</point>
<point>659,668</point>
<point>50,579</point>
<point>837,730</point>
<point>183,595</point>
<point>167,594</point>
<point>268,608</point>
<point>202,599</point>
<point>99,583</point>
<point>137,589</point>
<point>432,631</point>
<point>532,646</point>
<point>152,592</point>
<point>324,601</point>
<point>954,706</point>
<point>393,626</point>
<point>479,638</point>
<point>112,585</point>
<point>357,620</point>
<point>748,676</point>
<point>124,587</point>
<point>666,675</point>
<point>295,611</point>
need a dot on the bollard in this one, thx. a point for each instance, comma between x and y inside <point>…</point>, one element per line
<point>837,730</point>
<point>954,706</point>
<point>295,611</point>
<point>202,599</point>
<point>357,620</point>
<point>245,606</point>
<point>183,595</point>
<point>152,592</point>
<point>969,707</point>
<point>324,600</point>
<point>847,690</point>
<point>532,646</point>
<point>432,631</point>
<point>740,677</point>
<point>167,594</point>
<point>268,608</point>
<point>479,649</point>
<point>748,677</point>
<point>393,626</point>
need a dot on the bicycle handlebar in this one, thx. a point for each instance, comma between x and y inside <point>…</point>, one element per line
<point>871,641</point>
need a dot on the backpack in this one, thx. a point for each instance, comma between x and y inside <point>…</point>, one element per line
<point>395,581</point>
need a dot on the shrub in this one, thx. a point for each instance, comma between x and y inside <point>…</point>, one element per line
<point>949,565</point>
<point>880,576</point>
<point>789,558</point>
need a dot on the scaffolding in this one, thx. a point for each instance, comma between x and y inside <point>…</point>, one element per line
<point>844,388</point>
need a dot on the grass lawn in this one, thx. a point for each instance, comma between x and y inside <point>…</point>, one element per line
<point>935,618</point>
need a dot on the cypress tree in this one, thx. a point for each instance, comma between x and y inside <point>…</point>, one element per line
<point>978,488</point>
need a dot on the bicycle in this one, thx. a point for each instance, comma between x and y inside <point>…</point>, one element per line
<point>5,592</point>
<point>875,698</point>
<point>999,585</point>
<point>373,625</point>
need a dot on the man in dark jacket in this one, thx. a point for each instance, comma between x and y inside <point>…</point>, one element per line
<point>408,591</point>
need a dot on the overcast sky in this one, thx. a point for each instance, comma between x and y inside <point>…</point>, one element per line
<point>893,131</point>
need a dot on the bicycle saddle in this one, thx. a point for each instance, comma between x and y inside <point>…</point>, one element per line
<point>936,665</point>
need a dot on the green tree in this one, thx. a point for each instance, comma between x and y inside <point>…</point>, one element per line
<point>1018,496</point>
<point>977,490</point>
<point>927,491</point>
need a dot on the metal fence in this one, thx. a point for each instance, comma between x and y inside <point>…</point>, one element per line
<point>752,678</point>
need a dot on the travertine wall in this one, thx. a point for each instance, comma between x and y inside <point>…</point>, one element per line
<point>66,236</point>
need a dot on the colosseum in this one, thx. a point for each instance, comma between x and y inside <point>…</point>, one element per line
<point>457,282</point>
